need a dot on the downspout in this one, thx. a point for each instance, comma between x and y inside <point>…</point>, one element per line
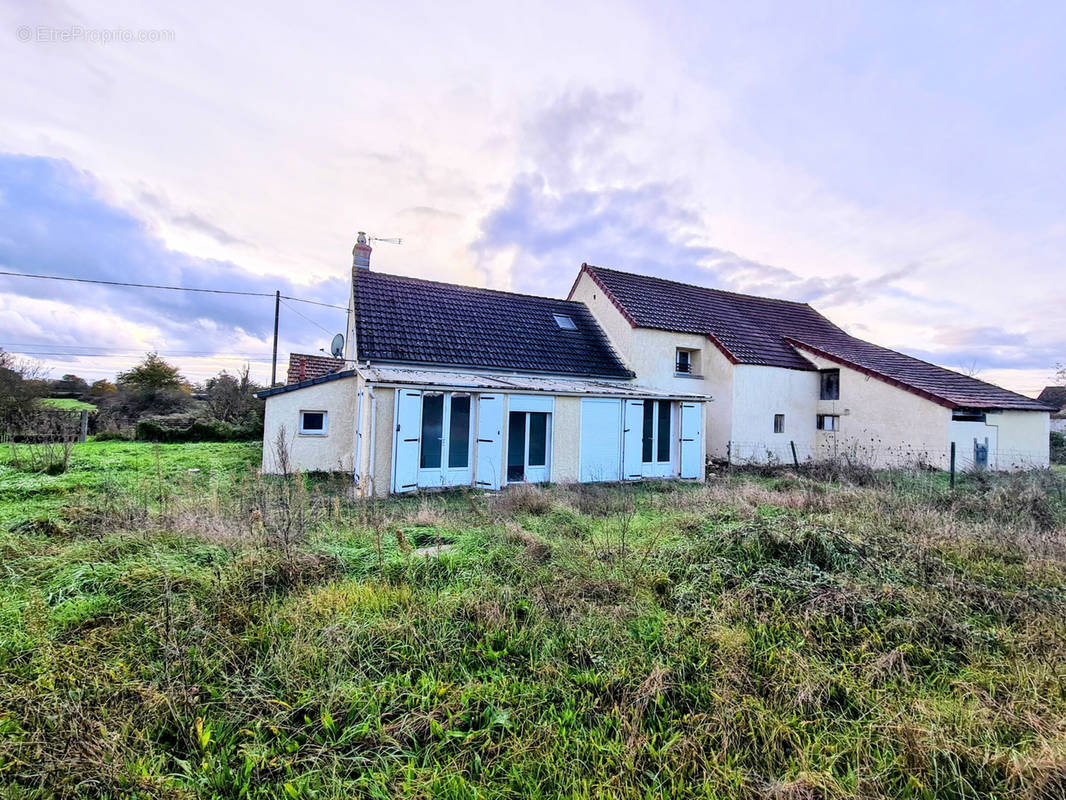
<point>356,469</point>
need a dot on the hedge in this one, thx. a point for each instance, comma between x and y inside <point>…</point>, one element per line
<point>197,432</point>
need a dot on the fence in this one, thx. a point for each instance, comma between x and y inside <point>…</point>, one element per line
<point>879,456</point>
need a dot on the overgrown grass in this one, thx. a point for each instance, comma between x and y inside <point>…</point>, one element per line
<point>760,636</point>
<point>98,470</point>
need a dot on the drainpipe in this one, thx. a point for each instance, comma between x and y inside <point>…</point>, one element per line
<point>356,469</point>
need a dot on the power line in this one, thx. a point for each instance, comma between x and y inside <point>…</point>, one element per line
<point>109,350</point>
<point>53,353</point>
<point>297,313</point>
<point>314,303</point>
<point>134,285</point>
<point>101,282</point>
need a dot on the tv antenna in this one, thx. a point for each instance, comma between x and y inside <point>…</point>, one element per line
<point>387,241</point>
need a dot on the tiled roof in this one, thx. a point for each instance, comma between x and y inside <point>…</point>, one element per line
<point>768,332</point>
<point>951,389</point>
<point>409,320</point>
<point>1054,396</point>
<point>749,330</point>
<point>304,366</point>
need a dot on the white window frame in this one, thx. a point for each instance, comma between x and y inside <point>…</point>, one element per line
<point>541,473</point>
<point>691,356</point>
<point>656,468</point>
<point>437,477</point>
<point>782,418</point>
<point>314,431</point>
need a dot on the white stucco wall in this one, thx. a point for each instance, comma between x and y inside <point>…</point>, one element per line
<point>964,435</point>
<point>1024,438</point>
<point>330,453</point>
<point>758,394</point>
<point>881,424</point>
<point>384,430</point>
<point>718,373</point>
<point>1059,425</point>
<point>614,324</point>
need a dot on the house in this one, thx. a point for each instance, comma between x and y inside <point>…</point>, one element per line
<point>1055,396</point>
<point>789,385</point>
<point>448,385</point>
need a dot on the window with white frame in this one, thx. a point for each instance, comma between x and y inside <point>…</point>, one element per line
<point>828,422</point>
<point>313,423</point>
<point>779,423</point>
<point>686,361</point>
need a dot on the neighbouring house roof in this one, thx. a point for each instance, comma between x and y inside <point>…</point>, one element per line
<point>303,366</point>
<point>409,320</point>
<point>775,333</point>
<point>556,385</point>
<point>1055,396</point>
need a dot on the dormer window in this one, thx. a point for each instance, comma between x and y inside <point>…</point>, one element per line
<point>564,322</point>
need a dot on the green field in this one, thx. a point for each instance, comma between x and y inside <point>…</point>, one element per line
<point>216,634</point>
<point>68,404</point>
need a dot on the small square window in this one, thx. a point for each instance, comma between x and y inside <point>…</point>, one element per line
<point>313,423</point>
<point>828,422</point>
<point>685,362</point>
<point>830,384</point>
<point>564,322</point>
<point>779,423</point>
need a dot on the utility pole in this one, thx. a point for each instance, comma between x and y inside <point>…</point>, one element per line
<point>274,362</point>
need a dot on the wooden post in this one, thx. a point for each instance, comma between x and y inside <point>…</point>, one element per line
<point>952,465</point>
<point>795,458</point>
<point>83,432</point>
<point>274,361</point>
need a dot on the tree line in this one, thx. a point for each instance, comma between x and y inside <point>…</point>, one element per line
<point>151,399</point>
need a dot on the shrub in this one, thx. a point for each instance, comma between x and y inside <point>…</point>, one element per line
<point>1058,447</point>
<point>215,431</point>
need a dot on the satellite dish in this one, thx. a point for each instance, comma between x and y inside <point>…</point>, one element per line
<point>337,348</point>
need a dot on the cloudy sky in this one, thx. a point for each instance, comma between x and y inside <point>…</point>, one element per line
<point>900,166</point>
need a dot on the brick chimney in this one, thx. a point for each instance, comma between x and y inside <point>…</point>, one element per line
<point>361,253</point>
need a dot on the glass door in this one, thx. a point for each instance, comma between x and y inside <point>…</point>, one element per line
<point>446,441</point>
<point>658,440</point>
<point>528,447</point>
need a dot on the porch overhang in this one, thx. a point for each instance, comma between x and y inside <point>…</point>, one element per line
<point>560,386</point>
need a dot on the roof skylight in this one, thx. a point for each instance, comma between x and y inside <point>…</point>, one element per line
<point>564,322</point>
